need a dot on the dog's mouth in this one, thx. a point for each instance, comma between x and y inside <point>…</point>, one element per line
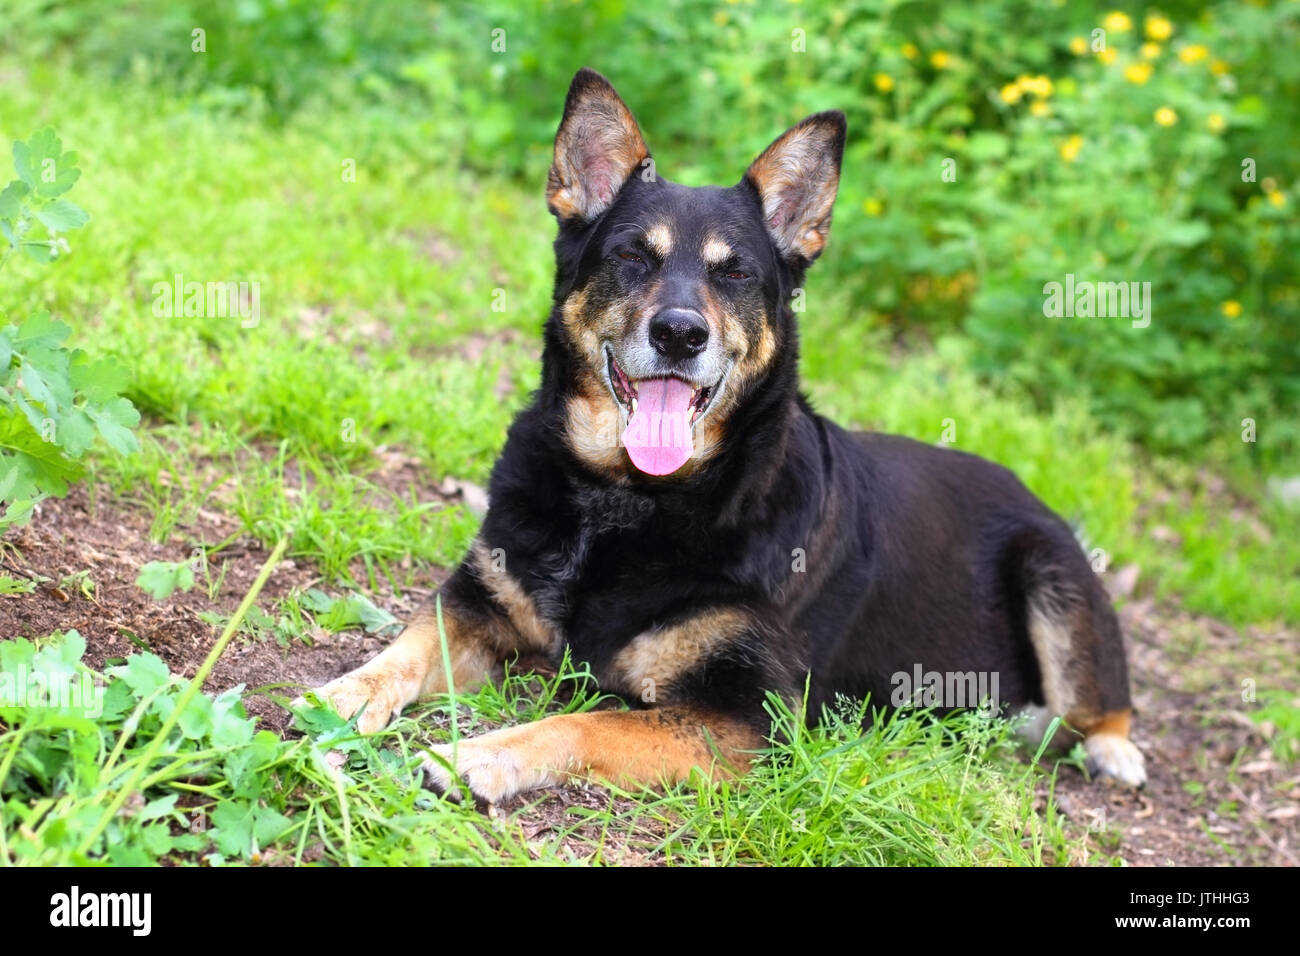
<point>661,415</point>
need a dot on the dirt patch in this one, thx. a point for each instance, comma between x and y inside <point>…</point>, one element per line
<point>84,560</point>
<point>1215,793</point>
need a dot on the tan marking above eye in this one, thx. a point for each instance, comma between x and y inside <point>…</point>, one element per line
<point>660,239</point>
<point>715,251</point>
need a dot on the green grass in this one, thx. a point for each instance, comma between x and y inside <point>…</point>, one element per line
<point>159,777</point>
<point>370,293</point>
<point>378,335</point>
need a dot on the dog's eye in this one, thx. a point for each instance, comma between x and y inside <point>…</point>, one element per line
<point>629,256</point>
<point>736,274</point>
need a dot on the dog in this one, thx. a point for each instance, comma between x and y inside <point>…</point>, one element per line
<point>671,510</point>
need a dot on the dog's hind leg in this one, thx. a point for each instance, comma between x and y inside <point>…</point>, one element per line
<point>1080,653</point>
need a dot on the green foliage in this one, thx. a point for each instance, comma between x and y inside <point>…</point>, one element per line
<point>11,585</point>
<point>345,613</point>
<point>1282,711</point>
<point>1058,162</point>
<point>59,757</point>
<point>912,790</point>
<point>44,172</point>
<point>384,319</point>
<point>161,579</point>
<point>54,401</point>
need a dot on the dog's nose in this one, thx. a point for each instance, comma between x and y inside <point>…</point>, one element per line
<point>678,334</point>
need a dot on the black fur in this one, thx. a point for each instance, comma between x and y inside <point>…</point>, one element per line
<point>914,554</point>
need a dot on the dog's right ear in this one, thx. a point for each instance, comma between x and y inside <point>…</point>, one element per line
<point>597,147</point>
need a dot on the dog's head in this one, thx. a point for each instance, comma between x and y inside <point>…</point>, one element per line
<point>673,303</point>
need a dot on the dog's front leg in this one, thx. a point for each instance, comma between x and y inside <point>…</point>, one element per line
<point>627,748</point>
<point>486,617</point>
<point>410,668</point>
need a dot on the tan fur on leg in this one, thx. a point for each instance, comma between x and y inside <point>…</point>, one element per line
<point>1111,754</point>
<point>409,668</point>
<point>628,748</point>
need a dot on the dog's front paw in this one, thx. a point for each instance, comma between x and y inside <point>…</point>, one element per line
<point>1115,758</point>
<point>493,772</point>
<point>349,693</point>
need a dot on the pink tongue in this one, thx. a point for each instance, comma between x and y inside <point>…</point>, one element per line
<point>658,436</point>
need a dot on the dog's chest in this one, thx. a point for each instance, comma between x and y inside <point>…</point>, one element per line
<point>607,576</point>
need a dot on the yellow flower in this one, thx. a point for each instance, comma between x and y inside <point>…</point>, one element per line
<point>1069,150</point>
<point>1078,46</point>
<point>1137,73</point>
<point>1193,53</point>
<point>872,206</point>
<point>1040,86</point>
<point>1231,308</point>
<point>939,59</point>
<point>1150,51</point>
<point>1117,22</point>
<point>884,82</point>
<point>1010,93</point>
<point>1219,67</point>
<point>1041,109</point>
<point>1158,28</point>
<point>1165,116</point>
<point>1277,198</point>
<point>1107,55</point>
<point>910,51</point>
<point>1216,123</point>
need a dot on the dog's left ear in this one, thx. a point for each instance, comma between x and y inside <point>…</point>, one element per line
<point>597,147</point>
<point>796,178</point>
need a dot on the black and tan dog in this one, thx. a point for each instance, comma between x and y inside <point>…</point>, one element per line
<point>671,509</point>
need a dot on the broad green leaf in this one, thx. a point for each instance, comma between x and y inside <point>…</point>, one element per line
<point>39,330</point>
<point>75,432</point>
<point>160,807</point>
<point>11,198</point>
<point>239,822</point>
<point>115,420</point>
<point>43,166</point>
<point>1183,234</point>
<point>62,215</point>
<point>143,673</point>
<point>195,720</point>
<point>157,839</point>
<point>42,468</point>
<point>161,579</point>
<point>43,374</point>
<point>100,381</point>
<point>41,250</point>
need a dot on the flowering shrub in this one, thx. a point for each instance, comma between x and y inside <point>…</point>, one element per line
<point>994,148</point>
